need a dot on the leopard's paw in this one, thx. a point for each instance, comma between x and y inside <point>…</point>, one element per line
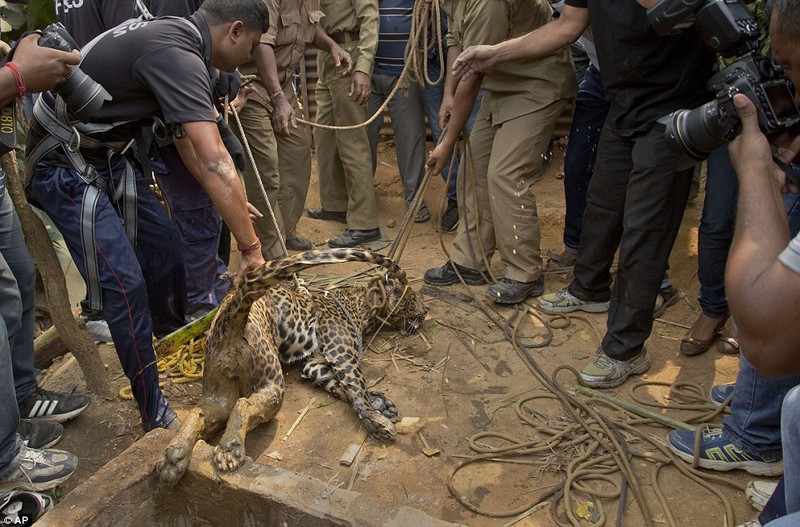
<point>229,455</point>
<point>175,462</point>
<point>383,405</point>
<point>378,426</point>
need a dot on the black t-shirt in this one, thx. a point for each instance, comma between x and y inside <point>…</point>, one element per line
<point>157,68</point>
<point>648,75</point>
<point>85,19</point>
<point>172,7</point>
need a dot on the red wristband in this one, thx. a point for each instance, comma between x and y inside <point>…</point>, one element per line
<point>247,249</point>
<point>17,77</point>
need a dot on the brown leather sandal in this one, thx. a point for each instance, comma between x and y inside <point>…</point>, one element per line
<point>693,346</point>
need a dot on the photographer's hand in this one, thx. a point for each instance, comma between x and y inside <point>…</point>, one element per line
<point>42,68</point>
<point>751,152</point>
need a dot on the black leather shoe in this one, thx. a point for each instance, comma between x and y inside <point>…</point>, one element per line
<point>299,244</point>
<point>446,275</point>
<point>322,214</point>
<point>450,216</point>
<point>353,238</point>
<point>508,291</point>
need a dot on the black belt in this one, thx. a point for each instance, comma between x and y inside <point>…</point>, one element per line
<point>344,36</point>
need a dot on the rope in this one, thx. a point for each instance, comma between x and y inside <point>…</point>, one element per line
<point>420,22</point>
<point>183,365</point>
<point>591,443</point>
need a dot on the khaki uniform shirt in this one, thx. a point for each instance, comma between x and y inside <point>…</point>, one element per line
<point>359,16</point>
<point>454,9</point>
<point>516,88</point>
<point>291,29</point>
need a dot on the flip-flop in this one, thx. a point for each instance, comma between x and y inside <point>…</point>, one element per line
<point>669,295</point>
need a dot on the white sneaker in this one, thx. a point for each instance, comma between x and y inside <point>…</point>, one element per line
<point>751,523</point>
<point>99,331</point>
<point>758,492</point>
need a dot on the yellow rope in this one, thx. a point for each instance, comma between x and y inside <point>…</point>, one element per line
<point>184,364</point>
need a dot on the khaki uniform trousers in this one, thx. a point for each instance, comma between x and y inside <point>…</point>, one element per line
<point>344,159</point>
<point>497,208</point>
<point>284,166</point>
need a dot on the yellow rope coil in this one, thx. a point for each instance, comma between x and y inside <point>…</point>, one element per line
<point>184,364</point>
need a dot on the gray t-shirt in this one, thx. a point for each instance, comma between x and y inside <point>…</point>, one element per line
<point>790,257</point>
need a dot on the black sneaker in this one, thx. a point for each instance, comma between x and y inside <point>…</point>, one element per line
<point>446,275</point>
<point>38,470</point>
<point>508,291</point>
<point>39,434</point>
<point>450,216</point>
<point>52,406</point>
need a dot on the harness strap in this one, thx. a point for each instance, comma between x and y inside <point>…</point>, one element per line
<point>70,139</point>
<point>91,195</point>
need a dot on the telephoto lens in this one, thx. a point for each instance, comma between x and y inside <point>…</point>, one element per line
<point>82,95</point>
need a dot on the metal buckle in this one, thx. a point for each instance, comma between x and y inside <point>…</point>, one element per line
<point>75,141</point>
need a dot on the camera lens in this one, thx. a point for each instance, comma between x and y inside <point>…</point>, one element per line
<point>695,133</point>
<point>83,96</point>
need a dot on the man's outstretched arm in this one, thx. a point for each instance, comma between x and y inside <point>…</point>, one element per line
<point>204,153</point>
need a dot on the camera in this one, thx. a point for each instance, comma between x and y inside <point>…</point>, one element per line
<point>82,95</point>
<point>728,28</point>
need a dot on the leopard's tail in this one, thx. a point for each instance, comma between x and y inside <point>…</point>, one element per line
<point>236,305</point>
<point>284,268</point>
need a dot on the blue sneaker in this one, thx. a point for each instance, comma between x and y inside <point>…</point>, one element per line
<point>719,394</point>
<point>718,453</point>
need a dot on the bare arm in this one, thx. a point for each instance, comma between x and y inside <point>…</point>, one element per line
<point>207,158</point>
<point>535,45</point>
<point>466,95</point>
<point>763,294</point>
<point>341,58</point>
<point>450,84</point>
<point>41,68</point>
<point>282,113</point>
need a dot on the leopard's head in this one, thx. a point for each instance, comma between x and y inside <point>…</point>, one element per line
<point>402,308</point>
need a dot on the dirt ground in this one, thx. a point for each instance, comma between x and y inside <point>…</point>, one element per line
<point>461,378</point>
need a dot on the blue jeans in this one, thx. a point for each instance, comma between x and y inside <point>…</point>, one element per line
<point>431,97</point>
<point>716,232</point>
<point>10,301</point>
<point>136,283</point>
<point>591,109</point>
<point>790,430</point>
<point>17,286</point>
<point>9,411</point>
<point>755,421</point>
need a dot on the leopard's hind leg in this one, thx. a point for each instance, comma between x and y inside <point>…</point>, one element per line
<point>262,405</point>
<point>204,420</point>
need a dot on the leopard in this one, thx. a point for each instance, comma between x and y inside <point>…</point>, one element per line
<point>267,321</point>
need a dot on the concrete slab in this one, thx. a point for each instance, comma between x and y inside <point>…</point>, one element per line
<point>126,491</point>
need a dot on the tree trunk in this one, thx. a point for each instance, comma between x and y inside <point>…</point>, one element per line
<point>75,335</point>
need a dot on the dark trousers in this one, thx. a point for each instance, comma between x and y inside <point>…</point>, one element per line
<point>591,109</point>
<point>200,225</point>
<point>136,283</point>
<point>716,232</point>
<point>635,202</point>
